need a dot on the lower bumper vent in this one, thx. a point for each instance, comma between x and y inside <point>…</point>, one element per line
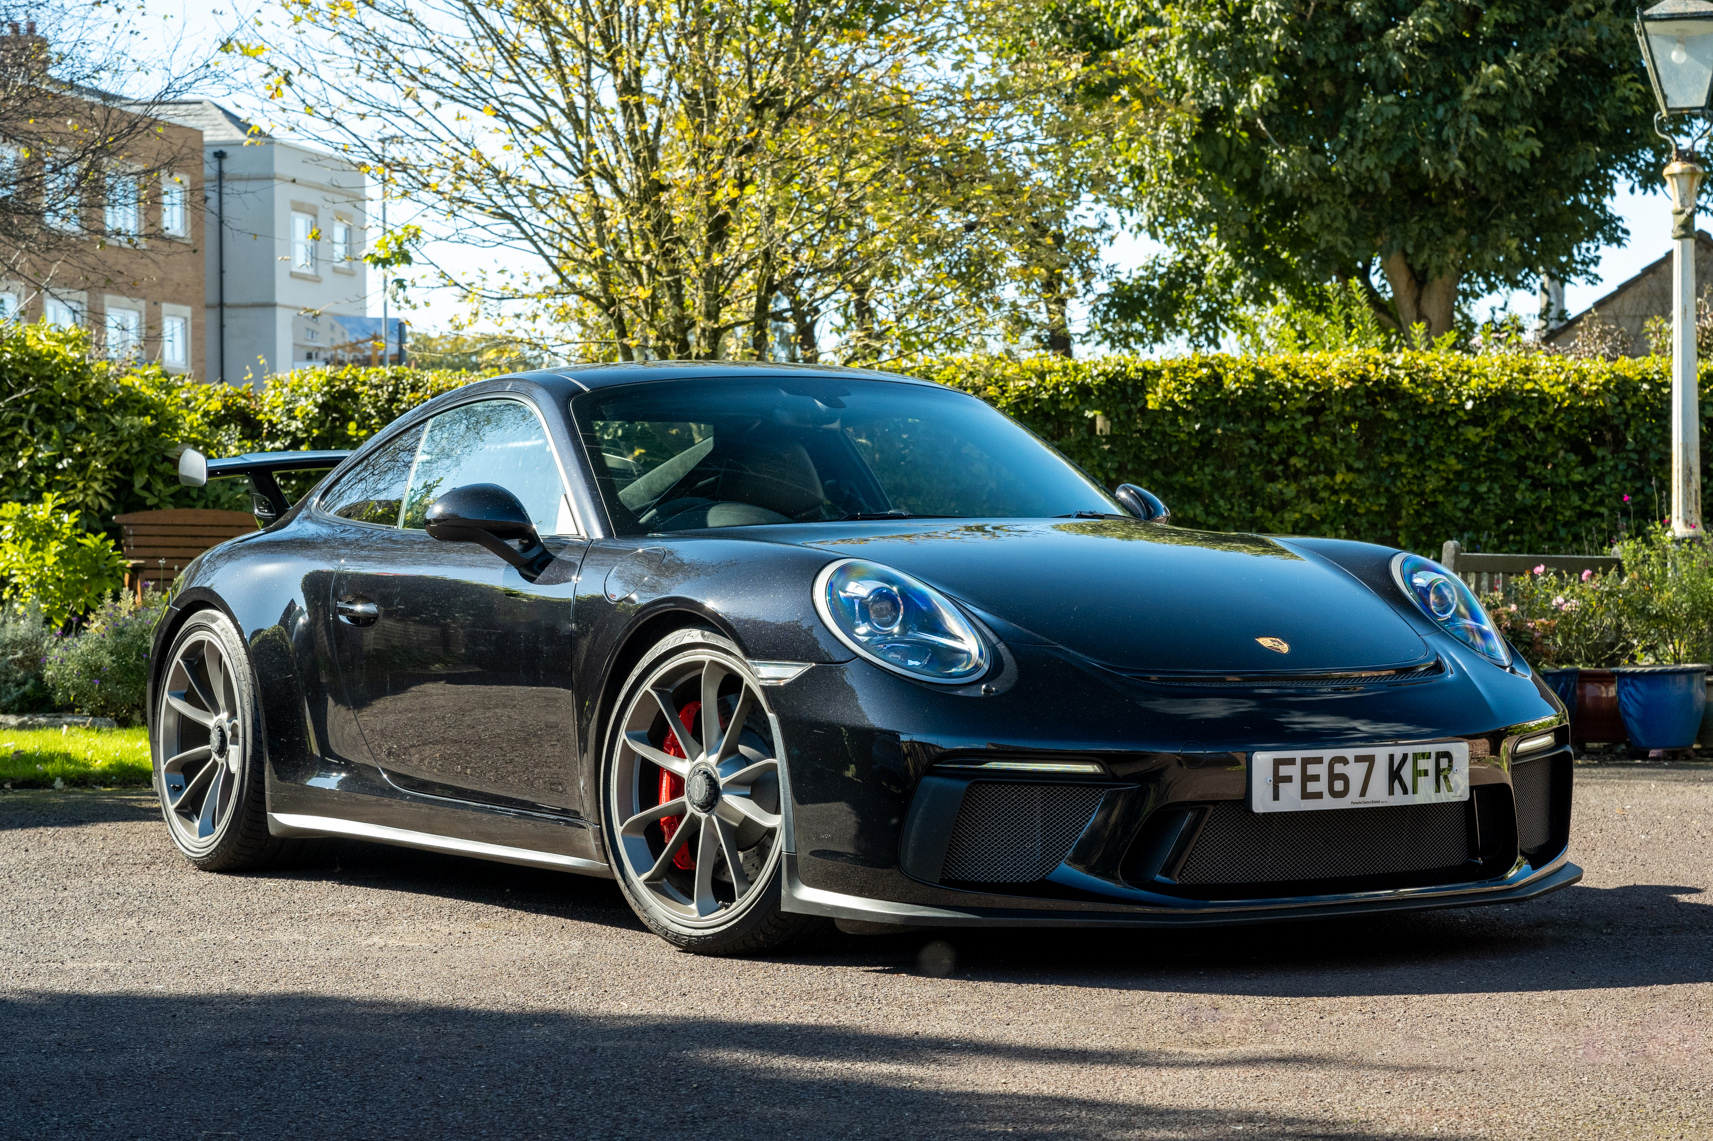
<point>1237,846</point>
<point>1016,832</point>
<point>1531,783</point>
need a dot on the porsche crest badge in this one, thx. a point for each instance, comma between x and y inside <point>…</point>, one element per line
<point>1277,645</point>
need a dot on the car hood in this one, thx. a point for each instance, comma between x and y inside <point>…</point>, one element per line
<point>1145,597</point>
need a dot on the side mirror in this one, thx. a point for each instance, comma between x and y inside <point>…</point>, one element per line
<point>1143,504</point>
<point>488,514</point>
<point>193,468</point>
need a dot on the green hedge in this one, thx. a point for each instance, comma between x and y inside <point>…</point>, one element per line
<point>105,439</point>
<point>1515,452</point>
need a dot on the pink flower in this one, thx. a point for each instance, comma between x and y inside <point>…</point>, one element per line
<point>1586,575</point>
<point>1626,499</point>
<point>1540,569</point>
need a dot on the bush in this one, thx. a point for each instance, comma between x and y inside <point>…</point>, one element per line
<point>1666,598</point>
<point>104,671</point>
<point>101,439</point>
<point>1505,451</point>
<point>1559,620</point>
<point>24,640</point>
<point>47,560</point>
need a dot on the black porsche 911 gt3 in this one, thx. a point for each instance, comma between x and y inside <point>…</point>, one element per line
<point>773,644</point>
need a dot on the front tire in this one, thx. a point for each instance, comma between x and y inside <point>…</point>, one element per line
<point>208,754</point>
<point>692,801</point>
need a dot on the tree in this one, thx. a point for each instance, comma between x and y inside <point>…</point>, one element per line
<point>664,178</point>
<point>1450,145</point>
<point>78,113</point>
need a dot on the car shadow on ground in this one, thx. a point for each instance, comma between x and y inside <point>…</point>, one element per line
<point>306,1065</point>
<point>1583,938</point>
<point>40,808</point>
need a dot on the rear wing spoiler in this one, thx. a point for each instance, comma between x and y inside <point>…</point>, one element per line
<point>196,469</point>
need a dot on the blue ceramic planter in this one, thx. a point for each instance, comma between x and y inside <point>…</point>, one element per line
<point>1563,683</point>
<point>1662,705</point>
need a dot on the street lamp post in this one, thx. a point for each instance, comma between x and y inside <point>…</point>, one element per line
<point>1676,38</point>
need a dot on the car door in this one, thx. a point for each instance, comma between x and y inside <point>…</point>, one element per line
<point>455,666</point>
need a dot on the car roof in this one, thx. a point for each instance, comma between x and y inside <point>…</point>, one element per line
<point>592,376</point>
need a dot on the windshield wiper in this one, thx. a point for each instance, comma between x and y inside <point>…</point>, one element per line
<point>1093,515</point>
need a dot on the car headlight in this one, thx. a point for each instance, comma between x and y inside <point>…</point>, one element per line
<point>1443,597</point>
<point>897,622</point>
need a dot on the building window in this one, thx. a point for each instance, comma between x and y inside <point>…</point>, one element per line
<point>175,342</point>
<point>124,334</point>
<point>124,204</point>
<point>11,169</point>
<point>62,314</point>
<point>341,242</point>
<point>9,307</point>
<point>62,194</point>
<point>172,206</point>
<point>303,236</point>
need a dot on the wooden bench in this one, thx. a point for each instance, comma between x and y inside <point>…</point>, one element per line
<point>1486,573</point>
<point>159,544</point>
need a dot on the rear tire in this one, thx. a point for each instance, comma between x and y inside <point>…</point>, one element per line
<point>208,758</point>
<point>710,883</point>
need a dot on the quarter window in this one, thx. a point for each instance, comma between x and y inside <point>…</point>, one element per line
<point>491,441</point>
<point>373,490</point>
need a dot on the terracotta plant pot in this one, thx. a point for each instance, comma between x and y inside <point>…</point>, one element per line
<point>1595,716</point>
<point>1662,705</point>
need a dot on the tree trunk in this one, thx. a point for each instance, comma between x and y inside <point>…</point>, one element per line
<point>1432,303</point>
<point>1058,320</point>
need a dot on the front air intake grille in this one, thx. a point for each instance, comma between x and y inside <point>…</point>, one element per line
<point>1531,783</point>
<point>1237,846</point>
<point>1345,679</point>
<point>1016,832</point>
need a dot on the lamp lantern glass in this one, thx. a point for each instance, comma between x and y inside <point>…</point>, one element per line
<point>1677,43</point>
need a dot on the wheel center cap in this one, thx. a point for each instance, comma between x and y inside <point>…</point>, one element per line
<point>702,789</point>
<point>217,739</point>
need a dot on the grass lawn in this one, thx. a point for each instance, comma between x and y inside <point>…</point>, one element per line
<point>87,758</point>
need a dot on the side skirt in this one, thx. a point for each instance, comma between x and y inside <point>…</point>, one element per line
<point>295,824</point>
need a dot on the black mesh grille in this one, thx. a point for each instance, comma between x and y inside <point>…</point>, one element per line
<point>1237,846</point>
<point>1531,783</point>
<point>1016,832</point>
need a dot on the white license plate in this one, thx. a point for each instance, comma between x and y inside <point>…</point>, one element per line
<point>1369,776</point>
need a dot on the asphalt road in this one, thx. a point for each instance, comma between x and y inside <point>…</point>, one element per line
<point>399,994</point>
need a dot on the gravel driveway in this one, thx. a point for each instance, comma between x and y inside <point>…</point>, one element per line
<point>401,994</point>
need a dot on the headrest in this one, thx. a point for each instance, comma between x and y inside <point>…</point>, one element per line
<point>777,475</point>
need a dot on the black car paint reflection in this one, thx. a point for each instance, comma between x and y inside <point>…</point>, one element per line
<point>475,707</point>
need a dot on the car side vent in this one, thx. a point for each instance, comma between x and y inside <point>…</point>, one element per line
<point>1531,783</point>
<point>1016,832</point>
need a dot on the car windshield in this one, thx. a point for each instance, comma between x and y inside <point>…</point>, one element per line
<point>736,452</point>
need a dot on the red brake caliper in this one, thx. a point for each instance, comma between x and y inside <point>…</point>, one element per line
<point>672,786</point>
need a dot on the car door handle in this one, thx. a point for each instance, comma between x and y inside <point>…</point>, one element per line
<point>357,611</point>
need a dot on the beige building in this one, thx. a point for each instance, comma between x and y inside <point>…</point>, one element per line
<point>1648,294</point>
<point>117,245</point>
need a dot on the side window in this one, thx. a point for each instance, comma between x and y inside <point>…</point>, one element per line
<point>492,441</point>
<point>373,491</point>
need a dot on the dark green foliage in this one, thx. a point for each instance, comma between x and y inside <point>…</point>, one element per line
<point>1458,146</point>
<point>1509,452</point>
<point>104,669</point>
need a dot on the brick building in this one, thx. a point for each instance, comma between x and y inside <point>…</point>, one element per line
<point>117,247</point>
